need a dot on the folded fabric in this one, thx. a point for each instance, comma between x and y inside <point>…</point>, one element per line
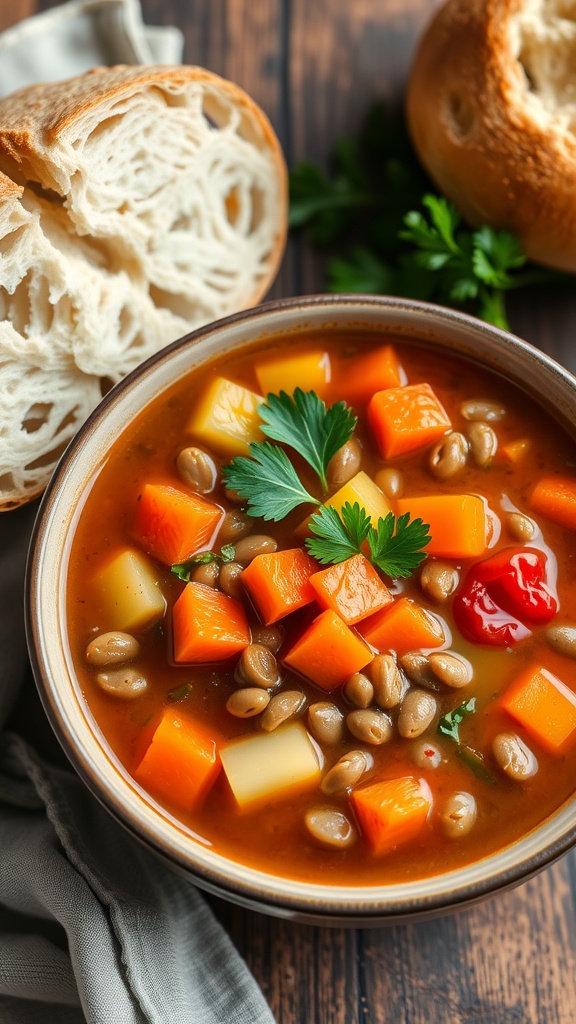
<point>80,35</point>
<point>138,944</point>
<point>92,927</point>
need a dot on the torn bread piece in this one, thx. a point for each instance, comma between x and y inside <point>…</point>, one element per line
<point>136,204</point>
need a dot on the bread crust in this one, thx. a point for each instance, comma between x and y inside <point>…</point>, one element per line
<point>482,133</point>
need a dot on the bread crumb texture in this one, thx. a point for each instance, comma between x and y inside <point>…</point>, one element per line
<point>136,204</point>
<point>492,112</point>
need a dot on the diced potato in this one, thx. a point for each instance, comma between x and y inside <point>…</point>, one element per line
<point>361,488</point>
<point>226,418</point>
<point>310,371</point>
<point>130,592</point>
<point>270,763</point>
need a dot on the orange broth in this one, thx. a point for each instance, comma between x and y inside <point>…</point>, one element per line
<point>272,837</point>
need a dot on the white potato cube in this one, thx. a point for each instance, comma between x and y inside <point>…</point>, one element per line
<point>226,418</point>
<point>130,592</point>
<point>270,763</point>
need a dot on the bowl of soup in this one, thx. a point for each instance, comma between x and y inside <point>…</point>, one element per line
<point>302,612</point>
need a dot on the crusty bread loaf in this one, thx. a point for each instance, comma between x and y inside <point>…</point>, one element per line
<point>492,113</point>
<point>135,205</point>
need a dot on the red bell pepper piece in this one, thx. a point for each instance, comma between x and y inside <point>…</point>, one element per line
<point>503,596</point>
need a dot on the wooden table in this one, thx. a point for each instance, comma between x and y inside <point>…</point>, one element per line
<point>315,66</point>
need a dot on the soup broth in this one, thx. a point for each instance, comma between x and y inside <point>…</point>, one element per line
<point>483,770</point>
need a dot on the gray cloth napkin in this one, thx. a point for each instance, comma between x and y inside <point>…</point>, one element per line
<point>92,926</point>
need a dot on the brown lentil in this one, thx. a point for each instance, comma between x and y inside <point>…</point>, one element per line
<point>438,580</point>
<point>330,827</point>
<point>449,456</point>
<point>345,773</point>
<point>388,681</point>
<point>281,708</point>
<point>256,544</point>
<point>230,580</point>
<point>247,702</point>
<point>126,683</point>
<point>197,469</point>
<point>417,712</point>
<point>326,722</point>
<point>513,757</point>
<point>112,649</point>
<point>458,815</point>
<point>451,669</point>
<point>257,666</point>
<point>344,464</point>
<point>369,725</point>
<point>359,690</point>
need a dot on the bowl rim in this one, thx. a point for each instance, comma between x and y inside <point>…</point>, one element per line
<point>304,901</point>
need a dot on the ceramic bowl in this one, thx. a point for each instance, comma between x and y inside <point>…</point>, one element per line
<point>446,330</point>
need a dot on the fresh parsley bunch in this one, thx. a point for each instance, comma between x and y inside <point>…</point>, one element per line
<point>269,483</point>
<point>397,237</point>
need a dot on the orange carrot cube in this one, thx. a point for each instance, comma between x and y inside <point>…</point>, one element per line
<point>181,763</point>
<point>407,418</point>
<point>458,523</point>
<point>328,652</point>
<point>555,498</point>
<point>403,626</point>
<point>392,812</point>
<point>544,705</point>
<point>351,588</point>
<point>309,370</point>
<point>368,372</point>
<point>279,582</point>
<point>515,451</point>
<point>207,626</point>
<point>173,525</point>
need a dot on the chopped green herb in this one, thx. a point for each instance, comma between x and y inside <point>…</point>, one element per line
<point>475,762</point>
<point>267,479</point>
<point>183,570</point>
<point>371,207</point>
<point>395,545</point>
<point>450,723</point>
<point>268,482</point>
<point>305,424</point>
<point>180,693</point>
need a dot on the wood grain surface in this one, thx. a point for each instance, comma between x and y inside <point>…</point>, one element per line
<point>315,67</point>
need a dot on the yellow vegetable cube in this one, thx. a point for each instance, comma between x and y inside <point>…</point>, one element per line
<point>130,592</point>
<point>310,371</point>
<point>267,764</point>
<point>362,489</point>
<point>226,418</point>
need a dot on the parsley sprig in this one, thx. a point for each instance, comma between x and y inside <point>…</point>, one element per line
<point>184,570</point>
<point>305,424</point>
<point>449,725</point>
<point>395,545</point>
<point>396,237</point>
<point>267,479</point>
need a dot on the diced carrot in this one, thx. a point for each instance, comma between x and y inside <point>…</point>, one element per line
<point>362,489</point>
<point>226,418</point>
<point>368,372</point>
<point>279,582</point>
<point>181,763</point>
<point>515,451</point>
<point>406,418</point>
<point>392,812</point>
<point>458,523</point>
<point>402,626</point>
<point>351,588</point>
<point>310,371</point>
<point>328,652</point>
<point>544,705</point>
<point>207,626</point>
<point>173,525</point>
<point>555,498</point>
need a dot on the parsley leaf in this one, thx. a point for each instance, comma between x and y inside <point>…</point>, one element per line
<point>395,545</point>
<point>370,205</point>
<point>184,570</point>
<point>305,424</point>
<point>450,723</point>
<point>267,480</point>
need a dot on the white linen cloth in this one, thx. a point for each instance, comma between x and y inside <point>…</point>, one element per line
<point>93,928</point>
